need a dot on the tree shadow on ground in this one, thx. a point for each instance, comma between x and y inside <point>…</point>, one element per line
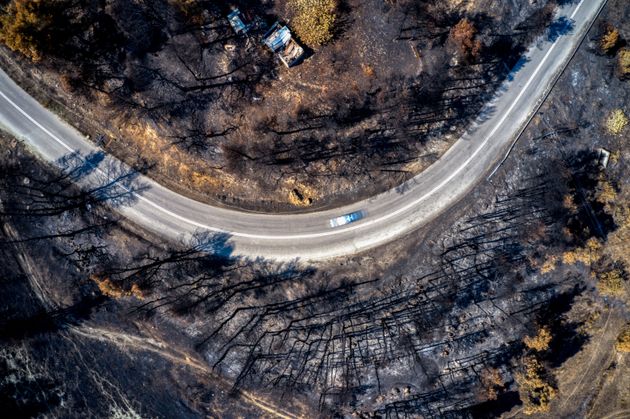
<point>567,339</point>
<point>18,328</point>
<point>559,27</point>
<point>504,403</point>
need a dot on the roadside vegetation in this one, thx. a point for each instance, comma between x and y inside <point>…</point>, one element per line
<point>610,40</point>
<point>464,36</point>
<point>385,90</point>
<point>513,302</point>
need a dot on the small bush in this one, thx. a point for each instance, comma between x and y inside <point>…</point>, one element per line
<point>192,10</point>
<point>540,342</point>
<point>606,193</point>
<point>568,202</point>
<point>464,36</point>
<point>610,40</point>
<point>492,383</point>
<point>624,62</point>
<point>623,340</point>
<point>618,243</point>
<point>587,255</point>
<point>113,290</point>
<point>23,27</point>
<point>109,288</point>
<point>314,21</point>
<point>535,390</point>
<point>611,283</point>
<point>616,122</point>
<point>550,264</point>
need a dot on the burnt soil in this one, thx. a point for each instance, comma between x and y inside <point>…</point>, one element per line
<point>407,330</point>
<point>216,117</point>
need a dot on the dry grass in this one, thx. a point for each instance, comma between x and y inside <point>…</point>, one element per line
<point>616,122</point>
<point>300,195</point>
<point>624,62</point>
<point>587,255</point>
<point>618,242</point>
<point>623,340</point>
<point>113,290</point>
<point>610,40</point>
<point>173,162</point>
<point>611,283</point>
<point>540,342</point>
<point>550,264</point>
<point>535,391</point>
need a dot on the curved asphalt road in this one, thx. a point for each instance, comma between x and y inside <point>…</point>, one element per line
<point>309,236</point>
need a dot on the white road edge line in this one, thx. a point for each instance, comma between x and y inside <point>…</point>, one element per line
<point>367,222</point>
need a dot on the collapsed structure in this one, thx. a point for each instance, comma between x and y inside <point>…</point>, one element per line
<point>238,22</point>
<point>278,38</point>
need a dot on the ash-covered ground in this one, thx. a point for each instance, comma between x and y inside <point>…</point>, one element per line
<point>501,307</point>
<point>168,85</point>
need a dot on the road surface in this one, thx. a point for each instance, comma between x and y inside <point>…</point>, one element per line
<point>390,215</point>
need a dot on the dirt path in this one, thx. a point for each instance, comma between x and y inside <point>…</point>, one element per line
<point>28,266</point>
<point>619,414</point>
<point>128,341</point>
<point>596,354</point>
<point>585,376</point>
<point>176,356</point>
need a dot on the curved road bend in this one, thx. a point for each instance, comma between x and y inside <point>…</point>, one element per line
<point>309,236</point>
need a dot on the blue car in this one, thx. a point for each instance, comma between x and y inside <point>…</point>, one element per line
<point>347,219</point>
